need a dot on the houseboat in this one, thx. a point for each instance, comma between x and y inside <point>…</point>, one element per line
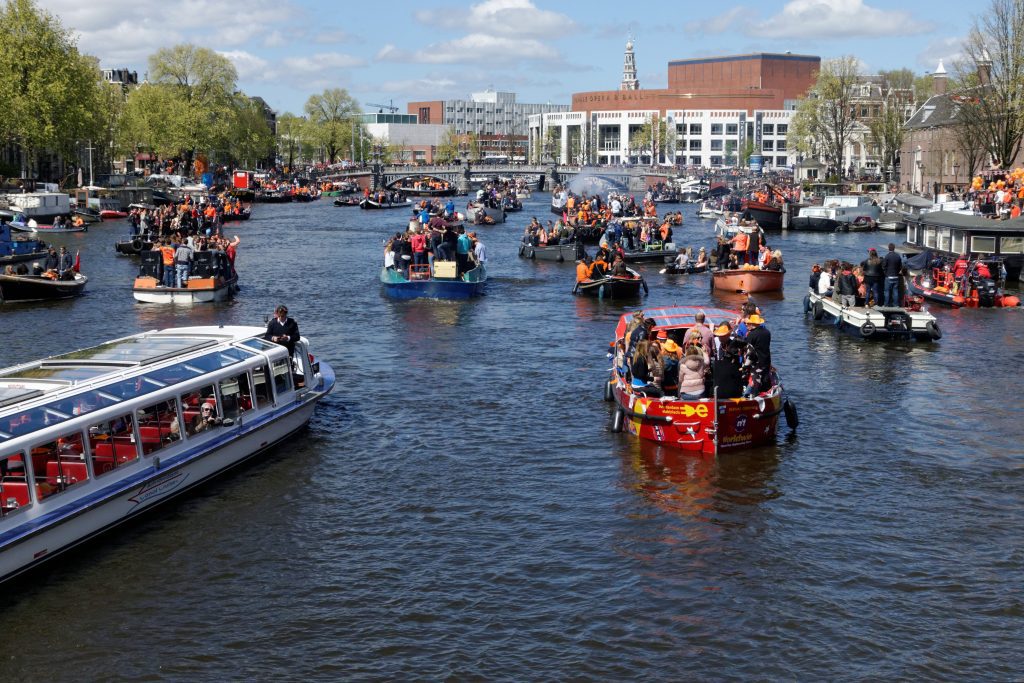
<point>949,234</point>
<point>95,437</point>
<point>41,207</point>
<point>706,425</point>
<point>838,213</point>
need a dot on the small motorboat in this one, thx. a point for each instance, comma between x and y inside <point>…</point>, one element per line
<point>20,288</point>
<point>655,252</point>
<point>210,279</point>
<point>133,245</point>
<point>439,281</point>
<point>974,289</point>
<point>370,204</point>
<point>553,252</point>
<point>690,268</point>
<point>876,322</point>
<point>476,211</point>
<point>112,214</point>
<point>243,215</point>
<point>88,215</point>
<point>348,201</point>
<point>747,279</point>
<point>613,286</point>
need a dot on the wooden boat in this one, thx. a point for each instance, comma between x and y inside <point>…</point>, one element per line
<point>39,287</point>
<point>96,437</point>
<point>613,286</point>
<point>875,323</point>
<point>370,204</point>
<point>348,201</point>
<point>210,279</point>
<point>553,252</point>
<point>689,269</point>
<point>439,282</point>
<point>705,425</point>
<point>768,216</point>
<point>272,197</point>
<point>748,280</point>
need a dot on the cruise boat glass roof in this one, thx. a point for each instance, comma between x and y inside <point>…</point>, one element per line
<point>96,398</point>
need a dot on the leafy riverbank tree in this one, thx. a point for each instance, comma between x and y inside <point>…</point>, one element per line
<point>825,120</point>
<point>333,118</point>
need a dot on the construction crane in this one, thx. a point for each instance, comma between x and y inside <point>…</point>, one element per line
<point>390,107</point>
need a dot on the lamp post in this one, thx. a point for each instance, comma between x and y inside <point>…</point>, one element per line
<point>920,176</point>
<point>956,176</point>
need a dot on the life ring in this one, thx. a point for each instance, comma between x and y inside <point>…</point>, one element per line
<point>819,310</point>
<point>609,392</point>
<point>137,244</point>
<point>932,328</point>
<point>867,329</point>
<point>792,419</point>
<point>618,419</point>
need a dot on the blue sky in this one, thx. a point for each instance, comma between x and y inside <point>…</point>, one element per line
<point>286,50</point>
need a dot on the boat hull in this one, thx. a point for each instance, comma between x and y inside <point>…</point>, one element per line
<point>371,205</point>
<point>148,293</point>
<point>814,224</point>
<point>612,287</point>
<point>397,287</point>
<point>23,288</point>
<point>749,281</point>
<point>768,216</point>
<point>151,482</point>
<point>552,252</point>
<point>874,324</point>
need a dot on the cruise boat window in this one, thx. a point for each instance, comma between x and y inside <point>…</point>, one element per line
<point>258,344</point>
<point>1011,245</point>
<point>159,425</point>
<point>235,395</point>
<point>200,410</point>
<point>31,420</point>
<point>282,376</point>
<point>983,245</point>
<point>13,484</point>
<point>112,444</point>
<point>83,403</point>
<point>929,237</point>
<point>58,464</point>
<point>911,234</point>
<point>261,387</point>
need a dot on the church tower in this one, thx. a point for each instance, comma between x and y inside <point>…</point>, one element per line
<point>629,81</point>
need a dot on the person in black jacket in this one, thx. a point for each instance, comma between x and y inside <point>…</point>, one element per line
<point>846,287</point>
<point>892,266</point>
<point>873,277</point>
<point>283,330</point>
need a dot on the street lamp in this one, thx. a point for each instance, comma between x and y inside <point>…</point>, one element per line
<point>956,174</point>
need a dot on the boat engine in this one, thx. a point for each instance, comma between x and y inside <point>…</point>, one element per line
<point>897,321</point>
<point>987,291</point>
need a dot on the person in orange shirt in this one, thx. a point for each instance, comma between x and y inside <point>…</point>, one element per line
<point>582,270</point>
<point>1015,211</point>
<point>739,245</point>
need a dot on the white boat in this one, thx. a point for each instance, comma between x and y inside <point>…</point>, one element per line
<point>706,212</point>
<point>211,279</point>
<point>838,213</point>
<point>874,322</point>
<point>93,438</point>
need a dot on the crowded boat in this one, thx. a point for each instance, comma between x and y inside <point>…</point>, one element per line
<point>434,259</point>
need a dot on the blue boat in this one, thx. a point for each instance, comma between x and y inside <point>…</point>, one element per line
<point>19,250</point>
<point>439,282</point>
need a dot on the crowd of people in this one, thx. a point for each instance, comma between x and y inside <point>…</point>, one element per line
<point>178,253</point>
<point>56,266</point>
<point>204,215</point>
<point>425,243</point>
<point>747,248</point>
<point>877,281</point>
<point>730,360</point>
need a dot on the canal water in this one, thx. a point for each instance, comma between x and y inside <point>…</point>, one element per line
<point>459,509</point>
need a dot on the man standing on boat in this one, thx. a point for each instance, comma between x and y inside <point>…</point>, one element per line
<point>283,330</point>
<point>182,261</point>
<point>892,266</point>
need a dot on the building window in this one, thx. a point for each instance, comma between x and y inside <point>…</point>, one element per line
<point>716,129</point>
<point>782,129</point>
<point>695,129</point>
<point>780,145</point>
<point>768,129</point>
<point>768,145</point>
<point>695,161</point>
<point>716,145</point>
<point>694,145</point>
<point>780,161</point>
<point>424,114</point>
<point>716,161</point>
<point>980,245</point>
<point>732,129</point>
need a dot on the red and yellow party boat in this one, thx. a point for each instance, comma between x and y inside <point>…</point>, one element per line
<point>707,425</point>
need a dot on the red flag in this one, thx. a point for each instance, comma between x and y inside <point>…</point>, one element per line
<point>78,261</point>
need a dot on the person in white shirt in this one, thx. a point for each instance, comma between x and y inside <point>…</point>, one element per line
<point>825,283</point>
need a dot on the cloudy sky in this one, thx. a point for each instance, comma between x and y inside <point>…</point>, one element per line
<point>400,50</point>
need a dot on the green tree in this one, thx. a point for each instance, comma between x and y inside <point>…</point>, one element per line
<point>49,87</point>
<point>641,141</point>
<point>575,145</point>
<point>250,139</point>
<point>195,86</point>
<point>473,146</point>
<point>748,151</point>
<point>332,115</point>
<point>824,120</point>
<point>292,140</point>
<point>448,149</point>
<point>552,143</point>
<point>887,132</point>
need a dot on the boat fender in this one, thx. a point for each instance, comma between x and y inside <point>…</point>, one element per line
<point>807,305</point>
<point>932,328</point>
<point>867,329</point>
<point>1009,301</point>
<point>819,310</point>
<point>617,420</point>
<point>609,391</point>
<point>792,419</point>
<point>137,244</point>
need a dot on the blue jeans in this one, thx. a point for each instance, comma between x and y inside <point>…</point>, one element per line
<point>875,291</point>
<point>182,274</point>
<point>168,276</point>
<point>892,291</point>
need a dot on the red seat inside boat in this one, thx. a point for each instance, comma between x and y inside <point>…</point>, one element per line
<point>14,493</point>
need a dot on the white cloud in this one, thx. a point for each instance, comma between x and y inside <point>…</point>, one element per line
<point>274,39</point>
<point>509,18</point>
<point>329,36</point>
<point>824,19</point>
<point>470,49</point>
<point>319,63</point>
<point>950,50</point>
<point>729,21</point>
<point>418,87</point>
<point>390,53</point>
<point>248,65</point>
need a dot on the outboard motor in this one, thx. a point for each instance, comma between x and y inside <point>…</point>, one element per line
<point>151,264</point>
<point>986,292</point>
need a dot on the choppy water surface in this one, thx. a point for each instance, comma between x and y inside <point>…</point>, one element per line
<point>458,508</point>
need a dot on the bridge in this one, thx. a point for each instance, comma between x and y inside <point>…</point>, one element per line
<point>630,178</point>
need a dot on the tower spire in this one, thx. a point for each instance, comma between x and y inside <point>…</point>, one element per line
<point>629,81</point>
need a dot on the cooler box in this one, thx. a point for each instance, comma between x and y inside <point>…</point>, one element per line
<point>444,269</point>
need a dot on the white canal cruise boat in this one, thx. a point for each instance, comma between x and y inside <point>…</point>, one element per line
<point>92,438</point>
